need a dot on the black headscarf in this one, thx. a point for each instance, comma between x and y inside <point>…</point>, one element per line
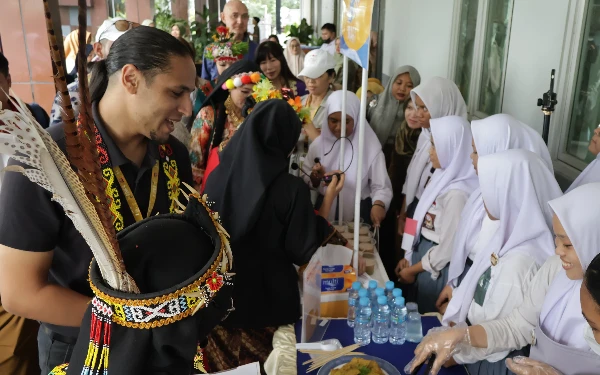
<point>255,156</point>
<point>218,95</point>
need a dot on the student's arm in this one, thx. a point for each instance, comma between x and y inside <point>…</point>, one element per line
<point>26,292</point>
<point>510,333</point>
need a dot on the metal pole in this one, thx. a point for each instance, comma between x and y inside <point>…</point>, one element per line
<point>361,145</point>
<point>343,142</point>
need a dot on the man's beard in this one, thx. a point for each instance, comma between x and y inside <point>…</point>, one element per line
<point>157,139</point>
<point>327,41</point>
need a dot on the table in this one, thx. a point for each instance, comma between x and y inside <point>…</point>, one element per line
<point>397,355</point>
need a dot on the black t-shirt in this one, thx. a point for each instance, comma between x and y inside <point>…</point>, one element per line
<point>31,221</point>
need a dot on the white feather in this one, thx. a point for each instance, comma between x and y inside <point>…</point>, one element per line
<point>31,145</point>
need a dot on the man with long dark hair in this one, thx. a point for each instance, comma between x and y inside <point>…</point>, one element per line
<point>137,94</point>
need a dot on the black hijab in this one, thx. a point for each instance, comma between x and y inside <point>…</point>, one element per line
<point>218,95</point>
<point>254,157</point>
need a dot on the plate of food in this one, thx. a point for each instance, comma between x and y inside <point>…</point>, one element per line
<point>358,365</point>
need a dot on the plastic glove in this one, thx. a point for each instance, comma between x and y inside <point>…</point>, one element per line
<point>444,342</point>
<point>527,366</point>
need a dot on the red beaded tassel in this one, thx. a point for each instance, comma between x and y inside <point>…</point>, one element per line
<point>99,340</point>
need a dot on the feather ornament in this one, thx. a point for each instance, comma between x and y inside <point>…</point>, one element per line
<point>27,142</point>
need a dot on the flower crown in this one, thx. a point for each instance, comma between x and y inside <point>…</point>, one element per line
<point>264,90</point>
<point>241,79</point>
<point>224,47</point>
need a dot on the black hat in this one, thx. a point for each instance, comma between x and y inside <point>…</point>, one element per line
<point>181,264</point>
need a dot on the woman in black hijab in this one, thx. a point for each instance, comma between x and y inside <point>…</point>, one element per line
<point>272,227</point>
<point>218,119</point>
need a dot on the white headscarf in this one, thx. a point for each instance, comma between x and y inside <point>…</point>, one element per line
<point>493,134</point>
<point>295,62</point>
<point>323,145</point>
<point>452,138</point>
<point>590,174</point>
<point>560,317</point>
<point>515,186</point>
<point>442,98</point>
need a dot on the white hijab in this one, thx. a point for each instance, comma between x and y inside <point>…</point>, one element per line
<point>330,157</point>
<point>442,98</point>
<point>493,134</point>
<point>452,138</point>
<point>295,62</point>
<point>516,186</point>
<point>560,317</point>
<point>590,174</point>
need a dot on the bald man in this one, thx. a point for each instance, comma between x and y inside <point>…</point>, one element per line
<point>235,16</point>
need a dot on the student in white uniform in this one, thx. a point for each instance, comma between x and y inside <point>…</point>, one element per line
<point>590,308</point>
<point>438,212</point>
<point>375,183</point>
<point>438,97</point>
<point>515,241</point>
<point>592,172</point>
<point>550,318</point>
<point>493,134</point>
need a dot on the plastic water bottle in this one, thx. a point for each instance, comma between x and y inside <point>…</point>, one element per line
<point>378,293</point>
<point>389,288</point>
<point>362,324</point>
<point>352,299</point>
<point>362,293</point>
<point>398,322</point>
<point>395,294</point>
<point>372,287</point>
<point>381,321</point>
<point>414,329</point>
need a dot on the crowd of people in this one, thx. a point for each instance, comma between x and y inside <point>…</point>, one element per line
<point>473,224</point>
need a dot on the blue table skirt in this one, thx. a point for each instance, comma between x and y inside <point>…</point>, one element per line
<point>397,355</point>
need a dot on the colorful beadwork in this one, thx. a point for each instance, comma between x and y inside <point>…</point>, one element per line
<point>158,311</point>
<point>199,360</point>
<point>60,369</point>
<point>112,192</point>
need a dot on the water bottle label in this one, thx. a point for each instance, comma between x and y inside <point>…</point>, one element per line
<point>398,319</point>
<point>333,284</point>
<point>332,269</point>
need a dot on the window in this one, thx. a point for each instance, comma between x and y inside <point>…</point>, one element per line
<point>585,113</point>
<point>116,8</point>
<point>481,52</point>
<point>464,63</point>
<point>494,57</point>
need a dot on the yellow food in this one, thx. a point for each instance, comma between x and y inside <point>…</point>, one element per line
<point>358,366</point>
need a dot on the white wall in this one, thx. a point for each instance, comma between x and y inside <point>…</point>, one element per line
<point>417,32</point>
<point>536,46</point>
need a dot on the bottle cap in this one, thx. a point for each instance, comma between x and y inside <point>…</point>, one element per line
<point>399,301</point>
<point>397,292</point>
<point>382,300</point>
<point>411,306</point>
<point>356,285</point>
<point>372,284</point>
<point>389,285</point>
<point>363,293</point>
<point>364,301</point>
<point>379,292</point>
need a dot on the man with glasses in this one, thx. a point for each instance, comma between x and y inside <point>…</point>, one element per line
<point>235,17</point>
<point>110,30</point>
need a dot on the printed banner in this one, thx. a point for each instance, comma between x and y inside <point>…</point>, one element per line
<point>356,30</point>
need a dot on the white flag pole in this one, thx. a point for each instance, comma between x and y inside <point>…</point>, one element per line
<point>361,145</point>
<point>343,141</point>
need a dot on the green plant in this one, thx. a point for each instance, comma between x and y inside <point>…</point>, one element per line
<point>304,32</point>
<point>201,32</point>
